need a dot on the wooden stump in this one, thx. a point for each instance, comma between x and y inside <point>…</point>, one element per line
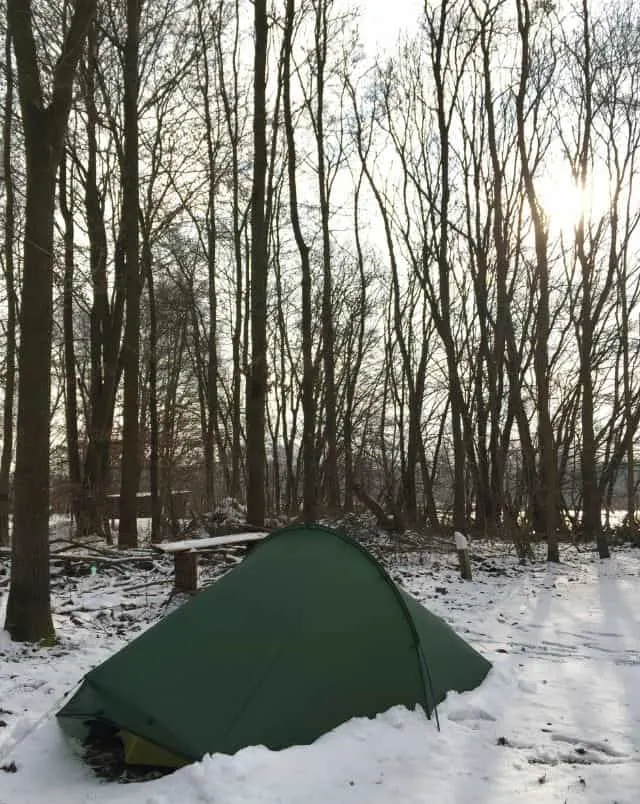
<point>463,555</point>
<point>186,571</point>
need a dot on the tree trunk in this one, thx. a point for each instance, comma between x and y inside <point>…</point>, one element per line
<point>353,374</point>
<point>494,506</point>
<point>154,447</point>
<point>230,103</point>
<point>105,323</point>
<point>128,532</point>
<point>328,347</point>
<point>308,373</point>
<point>627,399</point>
<point>11,312</point>
<point>210,374</point>
<point>28,608</point>
<point>257,379</point>
<point>71,404</point>
<point>546,498</point>
<point>442,306</point>
<point>592,501</point>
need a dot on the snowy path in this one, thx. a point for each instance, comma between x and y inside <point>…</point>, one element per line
<point>557,720</point>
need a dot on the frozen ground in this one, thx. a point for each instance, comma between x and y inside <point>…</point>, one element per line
<point>557,719</point>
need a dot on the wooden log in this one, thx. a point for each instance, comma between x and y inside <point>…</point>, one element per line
<point>185,565</point>
<point>463,556</point>
<point>210,542</point>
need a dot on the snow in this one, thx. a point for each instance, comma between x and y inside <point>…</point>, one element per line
<point>211,541</point>
<point>556,720</point>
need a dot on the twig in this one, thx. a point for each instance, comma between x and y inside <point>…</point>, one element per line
<point>138,586</point>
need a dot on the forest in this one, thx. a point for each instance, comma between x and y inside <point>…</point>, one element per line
<point>244,255</point>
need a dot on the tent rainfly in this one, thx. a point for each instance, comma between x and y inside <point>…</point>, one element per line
<point>308,632</point>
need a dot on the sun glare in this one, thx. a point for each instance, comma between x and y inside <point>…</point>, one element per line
<point>565,201</point>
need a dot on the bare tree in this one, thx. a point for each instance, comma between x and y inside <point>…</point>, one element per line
<point>44,123</point>
<point>106,313</point>
<point>310,491</point>
<point>128,531</point>
<point>232,101</point>
<point>11,301</point>
<point>66,196</point>
<point>324,32</point>
<point>257,376</point>
<point>545,515</point>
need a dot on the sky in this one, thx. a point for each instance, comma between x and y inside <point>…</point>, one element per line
<point>382,20</point>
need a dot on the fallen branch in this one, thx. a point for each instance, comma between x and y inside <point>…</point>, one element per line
<point>79,545</point>
<point>138,586</point>
<point>106,560</point>
<point>392,521</point>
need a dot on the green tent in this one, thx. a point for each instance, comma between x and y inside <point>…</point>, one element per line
<point>308,632</point>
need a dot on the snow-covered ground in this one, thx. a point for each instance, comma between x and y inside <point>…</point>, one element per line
<point>556,720</point>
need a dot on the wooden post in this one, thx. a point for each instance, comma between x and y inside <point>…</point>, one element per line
<point>463,555</point>
<point>185,564</point>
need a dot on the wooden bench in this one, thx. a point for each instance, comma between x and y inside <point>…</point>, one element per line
<point>185,555</point>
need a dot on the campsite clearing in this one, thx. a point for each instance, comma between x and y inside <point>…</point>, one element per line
<point>556,720</point>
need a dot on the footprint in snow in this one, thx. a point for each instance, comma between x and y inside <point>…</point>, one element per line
<point>600,746</point>
<point>470,713</point>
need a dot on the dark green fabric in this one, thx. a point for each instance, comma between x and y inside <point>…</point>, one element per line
<point>452,663</point>
<point>308,632</point>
